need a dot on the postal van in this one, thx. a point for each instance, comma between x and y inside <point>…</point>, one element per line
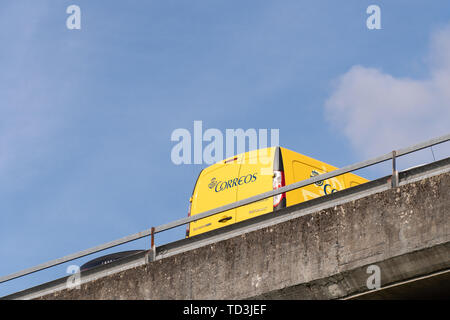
<point>252,173</point>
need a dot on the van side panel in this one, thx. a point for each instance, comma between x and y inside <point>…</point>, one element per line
<point>256,177</point>
<point>298,167</point>
<point>352,180</point>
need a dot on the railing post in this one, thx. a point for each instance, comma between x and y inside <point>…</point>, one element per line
<point>394,179</point>
<point>152,252</point>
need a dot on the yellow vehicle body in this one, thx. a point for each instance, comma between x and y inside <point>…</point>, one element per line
<point>253,173</point>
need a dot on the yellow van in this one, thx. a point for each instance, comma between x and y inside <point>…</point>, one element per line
<point>252,173</point>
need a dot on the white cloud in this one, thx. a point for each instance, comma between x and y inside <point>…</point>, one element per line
<point>378,112</point>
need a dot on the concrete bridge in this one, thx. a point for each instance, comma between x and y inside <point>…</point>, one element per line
<point>321,249</point>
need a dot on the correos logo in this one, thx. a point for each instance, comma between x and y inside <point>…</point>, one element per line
<point>327,188</point>
<point>222,185</point>
<point>313,174</point>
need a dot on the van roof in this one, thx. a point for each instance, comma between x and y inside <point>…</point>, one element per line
<point>235,158</point>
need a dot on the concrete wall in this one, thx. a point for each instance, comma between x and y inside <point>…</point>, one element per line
<point>405,231</point>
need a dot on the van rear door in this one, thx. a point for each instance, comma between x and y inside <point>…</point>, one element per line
<point>216,187</point>
<point>255,177</point>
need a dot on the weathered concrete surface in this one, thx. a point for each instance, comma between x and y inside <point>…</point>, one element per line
<point>405,231</point>
<point>430,287</point>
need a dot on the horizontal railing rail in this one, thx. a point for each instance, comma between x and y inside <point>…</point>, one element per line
<point>152,231</point>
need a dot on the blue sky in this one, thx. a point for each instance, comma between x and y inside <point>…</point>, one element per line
<point>86,115</point>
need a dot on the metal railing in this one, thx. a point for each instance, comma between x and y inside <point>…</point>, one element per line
<point>152,231</point>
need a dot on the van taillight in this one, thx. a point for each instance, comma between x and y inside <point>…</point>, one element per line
<point>278,182</point>
<point>189,214</point>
